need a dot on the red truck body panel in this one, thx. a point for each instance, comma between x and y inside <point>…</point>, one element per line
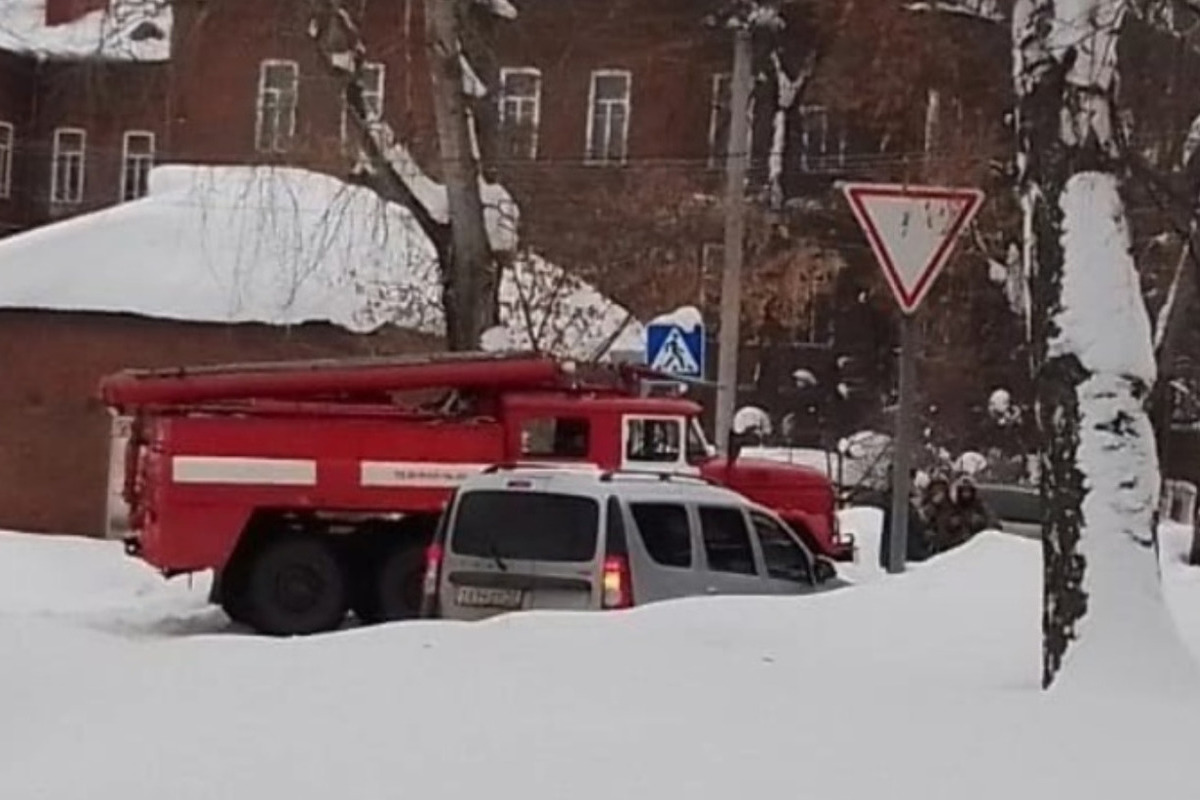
<point>211,448</point>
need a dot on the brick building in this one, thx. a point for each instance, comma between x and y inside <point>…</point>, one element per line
<point>83,107</point>
<point>612,121</point>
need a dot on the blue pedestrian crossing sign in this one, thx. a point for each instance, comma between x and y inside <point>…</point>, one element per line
<point>676,350</point>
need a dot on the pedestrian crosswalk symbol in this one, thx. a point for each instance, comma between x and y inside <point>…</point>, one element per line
<point>674,351</point>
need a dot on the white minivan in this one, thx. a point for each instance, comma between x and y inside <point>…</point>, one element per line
<point>519,538</point>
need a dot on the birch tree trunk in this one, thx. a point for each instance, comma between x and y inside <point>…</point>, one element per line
<point>468,308</point>
<point>1095,356</point>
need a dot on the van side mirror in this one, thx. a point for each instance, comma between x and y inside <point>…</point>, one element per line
<point>823,570</point>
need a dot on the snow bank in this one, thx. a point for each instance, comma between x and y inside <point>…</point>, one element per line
<point>280,246</point>
<point>844,693</point>
<point>131,30</point>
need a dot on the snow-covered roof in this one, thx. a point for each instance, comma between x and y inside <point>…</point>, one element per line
<point>984,9</point>
<point>283,246</point>
<point>130,30</point>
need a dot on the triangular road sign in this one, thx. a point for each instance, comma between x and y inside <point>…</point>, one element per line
<point>912,231</point>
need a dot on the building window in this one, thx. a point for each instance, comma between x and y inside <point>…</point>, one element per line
<point>814,136</point>
<point>520,111</point>
<point>819,148</point>
<point>720,119</point>
<point>68,165</point>
<point>372,94</point>
<point>137,157</point>
<point>278,96</point>
<point>712,267</point>
<point>608,117</point>
<point>6,159</point>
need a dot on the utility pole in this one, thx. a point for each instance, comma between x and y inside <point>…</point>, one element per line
<point>737,159</point>
<point>466,307</point>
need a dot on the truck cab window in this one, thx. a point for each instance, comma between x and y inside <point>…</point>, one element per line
<point>658,441</point>
<point>697,445</point>
<point>554,437</point>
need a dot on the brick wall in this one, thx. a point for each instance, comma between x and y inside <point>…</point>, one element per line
<point>105,100</point>
<point>218,48</point>
<point>16,103</point>
<point>54,446</point>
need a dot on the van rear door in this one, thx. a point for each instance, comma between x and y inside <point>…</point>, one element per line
<point>512,549</point>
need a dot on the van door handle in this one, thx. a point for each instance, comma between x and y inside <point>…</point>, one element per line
<point>711,590</point>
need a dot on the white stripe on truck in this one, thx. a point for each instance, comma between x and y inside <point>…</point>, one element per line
<point>243,471</point>
<point>416,473</point>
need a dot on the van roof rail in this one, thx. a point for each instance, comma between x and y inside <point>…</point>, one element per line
<point>608,475</point>
<point>511,466</point>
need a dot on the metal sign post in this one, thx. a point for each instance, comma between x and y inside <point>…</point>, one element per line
<point>912,231</point>
<point>903,444</point>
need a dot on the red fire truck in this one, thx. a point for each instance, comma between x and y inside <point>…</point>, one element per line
<point>313,488</point>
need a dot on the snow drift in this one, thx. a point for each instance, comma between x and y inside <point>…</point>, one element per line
<point>921,686</point>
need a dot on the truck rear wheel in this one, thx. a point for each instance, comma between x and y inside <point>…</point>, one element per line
<point>399,581</point>
<point>294,586</point>
<point>389,586</point>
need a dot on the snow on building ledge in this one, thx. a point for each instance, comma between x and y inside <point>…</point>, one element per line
<point>129,30</point>
<point>283,246</point>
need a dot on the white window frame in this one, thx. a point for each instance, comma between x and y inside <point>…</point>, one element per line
<point>679,465</point>
<point>717,158</point>
<point>591,116</point>
<point>536,100</point>
<point>126,159</point>
<point>264,68</point>
<point>75,197</point>
<point>712,262</point>
<point>8,143</point>
<point>811,157</point>
<point>379,93</point>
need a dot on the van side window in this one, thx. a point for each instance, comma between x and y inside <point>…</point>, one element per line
<point>783,555</point>
<point>614,529</point>
<point>554,437</point>
<point>653,440</point>
<point>665,532</point>
<point>726,540</point>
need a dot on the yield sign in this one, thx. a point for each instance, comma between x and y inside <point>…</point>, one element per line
<point>912,231</point>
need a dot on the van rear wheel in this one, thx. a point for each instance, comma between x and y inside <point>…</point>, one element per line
<point>294,586</point>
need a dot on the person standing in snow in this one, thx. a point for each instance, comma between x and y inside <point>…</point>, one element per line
<point>917,544</point>
<point>969,514</point>
<point>937,511</point>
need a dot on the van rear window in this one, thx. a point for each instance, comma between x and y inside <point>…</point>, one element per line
<point>532,526</point>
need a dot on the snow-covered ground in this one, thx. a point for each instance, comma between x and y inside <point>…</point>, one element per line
<point>115,685</point>
<point>283,246</point>
<point>131,30</point>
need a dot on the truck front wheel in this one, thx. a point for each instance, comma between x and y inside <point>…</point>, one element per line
<point>294,586</point>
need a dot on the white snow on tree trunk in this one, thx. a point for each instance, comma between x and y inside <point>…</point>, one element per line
<point>1127,634</point>
<point>787,92</point>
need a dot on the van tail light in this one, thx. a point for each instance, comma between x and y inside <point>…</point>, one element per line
<point>433,573</point>
<point>618,587</point>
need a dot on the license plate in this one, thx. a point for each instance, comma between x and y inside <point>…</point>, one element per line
<point>489,598</point>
